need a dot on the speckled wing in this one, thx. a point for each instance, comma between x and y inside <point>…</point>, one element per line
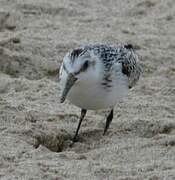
<point>120,54</point>
<point>131,66</point>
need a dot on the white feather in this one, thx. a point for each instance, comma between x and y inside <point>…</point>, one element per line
<point>87,92</point>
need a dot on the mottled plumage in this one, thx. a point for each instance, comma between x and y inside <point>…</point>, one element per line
<point>110,55</point>
<point>98,76</point>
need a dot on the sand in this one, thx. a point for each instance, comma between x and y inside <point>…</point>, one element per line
<point>36,130</point>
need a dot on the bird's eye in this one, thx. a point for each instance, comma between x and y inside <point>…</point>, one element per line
<point>85,65</point>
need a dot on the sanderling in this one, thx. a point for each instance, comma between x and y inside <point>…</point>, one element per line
<point>96,77</point>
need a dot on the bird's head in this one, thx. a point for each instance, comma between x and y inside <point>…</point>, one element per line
<point>79,66</point>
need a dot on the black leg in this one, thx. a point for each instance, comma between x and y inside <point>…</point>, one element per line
<point>108,121</point>
<point>83,113</point>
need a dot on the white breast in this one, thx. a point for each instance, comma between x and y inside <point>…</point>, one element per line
<point>91,95</point>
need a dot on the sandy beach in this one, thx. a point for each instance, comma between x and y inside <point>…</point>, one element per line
<point>36,130</point>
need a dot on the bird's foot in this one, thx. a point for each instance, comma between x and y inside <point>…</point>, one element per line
<point>104,133</point>
<point>74,140</point>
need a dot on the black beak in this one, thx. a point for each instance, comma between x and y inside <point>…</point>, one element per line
<point>69,83</point>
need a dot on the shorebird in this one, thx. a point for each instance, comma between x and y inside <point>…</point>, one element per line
<point>97,76</point>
